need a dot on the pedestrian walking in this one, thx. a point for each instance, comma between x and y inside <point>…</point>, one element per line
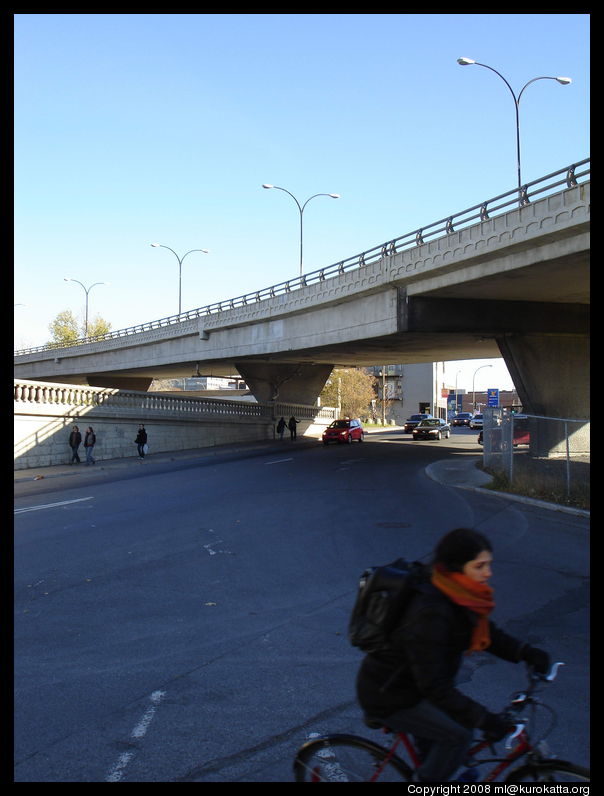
<point>281,426</point>
<point>75,440</point>
<point>292,428</point>
<point>141,441</point>
<point>89,443</point>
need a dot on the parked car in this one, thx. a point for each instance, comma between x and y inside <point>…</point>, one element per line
<point>522,435</point>
<point>345,430</point>
<point>462,419</point>
<point>412,421</point>
<point>476,421</point>
<point>432,428</point>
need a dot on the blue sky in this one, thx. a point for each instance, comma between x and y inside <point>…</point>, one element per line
<point>140,128</point>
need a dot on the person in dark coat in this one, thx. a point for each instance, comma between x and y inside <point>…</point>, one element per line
<point>410,686</point>
<point>89,443</point>
<point>281,425</point>
<point>292,423</point>
<point>75,440</point>
<point>141,441</point>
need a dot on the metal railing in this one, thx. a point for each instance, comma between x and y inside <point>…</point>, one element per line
<point>567,177</point>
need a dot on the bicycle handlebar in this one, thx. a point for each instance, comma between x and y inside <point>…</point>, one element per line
<point>520,700</point>
<point>553,672</point>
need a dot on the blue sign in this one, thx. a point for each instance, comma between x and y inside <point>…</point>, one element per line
<point>492,397</point>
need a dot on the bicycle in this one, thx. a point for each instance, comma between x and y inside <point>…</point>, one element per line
<point>352,758</point>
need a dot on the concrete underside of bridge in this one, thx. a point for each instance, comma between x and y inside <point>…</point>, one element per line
<point>547,353</point>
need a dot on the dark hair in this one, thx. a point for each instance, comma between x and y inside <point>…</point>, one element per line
<point>458,547</point>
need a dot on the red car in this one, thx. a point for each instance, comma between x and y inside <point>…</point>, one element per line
<point>522,435</point>
<point>345,430</point>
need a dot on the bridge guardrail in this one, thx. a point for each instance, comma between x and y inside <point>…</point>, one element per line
<point>50,394</point>
<point>568,177</point>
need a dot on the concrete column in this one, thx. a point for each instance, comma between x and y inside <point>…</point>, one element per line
<point>289,383</point>
<point>551,374</point>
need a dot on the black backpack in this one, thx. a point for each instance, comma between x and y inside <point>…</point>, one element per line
<point>384,593</point>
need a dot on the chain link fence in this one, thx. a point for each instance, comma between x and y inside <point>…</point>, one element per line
<point>542,457</point>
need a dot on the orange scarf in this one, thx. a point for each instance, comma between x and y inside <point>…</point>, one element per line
<point>478,597</point>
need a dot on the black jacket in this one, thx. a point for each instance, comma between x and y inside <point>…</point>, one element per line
<point>424,657</point>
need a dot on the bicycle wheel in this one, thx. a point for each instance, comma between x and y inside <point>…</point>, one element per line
<point>549,771</point>
<point>348,758</point>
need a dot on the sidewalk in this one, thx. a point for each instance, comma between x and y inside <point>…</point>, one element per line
<point>242,449</point>
<point>460,473</point>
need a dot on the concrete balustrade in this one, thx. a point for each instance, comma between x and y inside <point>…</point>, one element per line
<point>44,413</point>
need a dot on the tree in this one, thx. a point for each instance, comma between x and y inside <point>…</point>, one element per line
<point>64,329</point>
<point>97,327</point>
<point>352,389</point>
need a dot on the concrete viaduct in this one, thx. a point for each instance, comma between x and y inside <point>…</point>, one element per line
<point>515,285</point>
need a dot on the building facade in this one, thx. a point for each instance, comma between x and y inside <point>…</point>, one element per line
<point>423,387</point>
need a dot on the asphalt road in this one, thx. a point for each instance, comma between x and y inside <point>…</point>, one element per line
<point>186,622</point>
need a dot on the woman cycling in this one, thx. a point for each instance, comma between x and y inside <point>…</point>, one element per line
<point>410,686</point>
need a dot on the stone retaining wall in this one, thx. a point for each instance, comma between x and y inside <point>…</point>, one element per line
<point>44,413</point>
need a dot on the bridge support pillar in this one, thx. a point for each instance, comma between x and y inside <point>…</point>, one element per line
<point>551,374</point>
<point>290,383</point>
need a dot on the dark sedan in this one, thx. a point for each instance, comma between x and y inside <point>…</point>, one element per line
<point>432,428</point>
<point>412,421</point>
<point>462,419</point>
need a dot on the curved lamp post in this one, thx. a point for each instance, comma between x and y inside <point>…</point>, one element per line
<point>473,377</point>
<point>87,291</point>
<point>562,80</point>
<point>301,208</point>
<point>180,259</point>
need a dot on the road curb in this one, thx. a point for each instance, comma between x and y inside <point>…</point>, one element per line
<point>472,472</point>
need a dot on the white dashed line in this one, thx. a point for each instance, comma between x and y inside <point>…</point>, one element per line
<point>117,772</point>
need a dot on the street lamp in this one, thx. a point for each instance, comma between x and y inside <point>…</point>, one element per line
<point>522,200</point>
<point>456,375</point>
<point>301,208</point>
<point>180,259</point>
<point>87,291</point>
<point>473,377</point>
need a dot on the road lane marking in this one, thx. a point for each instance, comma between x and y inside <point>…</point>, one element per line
<point>51,505</point>
<point>278,461</point>
<point>210,546</point>
<point>139,731</point>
